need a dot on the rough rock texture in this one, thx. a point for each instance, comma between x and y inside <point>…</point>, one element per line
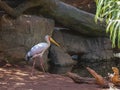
<point>87,48</point>
<point>17,36</point>
<point>59,57</point>
<point>61,61</point>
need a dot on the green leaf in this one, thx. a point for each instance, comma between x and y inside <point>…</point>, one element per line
<point>109,11</point>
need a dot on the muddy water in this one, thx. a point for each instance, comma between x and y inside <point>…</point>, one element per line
<point>102,67</point>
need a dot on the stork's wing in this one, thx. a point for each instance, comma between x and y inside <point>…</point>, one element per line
<point>37,49</point>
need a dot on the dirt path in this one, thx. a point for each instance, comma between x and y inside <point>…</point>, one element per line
<point>20,79</point>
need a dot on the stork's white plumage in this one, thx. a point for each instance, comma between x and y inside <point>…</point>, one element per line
<point>38,51</point>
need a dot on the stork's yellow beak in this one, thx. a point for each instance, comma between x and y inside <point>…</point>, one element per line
<point>53,41</point>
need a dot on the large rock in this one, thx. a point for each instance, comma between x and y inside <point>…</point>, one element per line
<point>61,61</point>
<point>59,57</point>
<point>17,36</point>
<point>87,48</point>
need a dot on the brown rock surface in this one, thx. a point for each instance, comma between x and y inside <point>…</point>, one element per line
<point>17,36</point>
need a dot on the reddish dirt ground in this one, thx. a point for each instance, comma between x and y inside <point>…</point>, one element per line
<point>19,78</point>
<point>86,5</point>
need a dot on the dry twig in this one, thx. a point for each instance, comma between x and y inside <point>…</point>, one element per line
<point>99,79</point>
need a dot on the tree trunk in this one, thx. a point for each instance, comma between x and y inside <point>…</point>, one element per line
<point>78,20</point>
<point>65,14</point>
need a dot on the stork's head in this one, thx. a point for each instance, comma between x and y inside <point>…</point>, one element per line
<point>48,38</point>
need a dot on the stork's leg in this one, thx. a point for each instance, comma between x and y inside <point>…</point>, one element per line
<point>41,64</point>
<point>33,67</point>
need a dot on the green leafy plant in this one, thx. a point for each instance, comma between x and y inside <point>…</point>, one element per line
<point>109,10</point>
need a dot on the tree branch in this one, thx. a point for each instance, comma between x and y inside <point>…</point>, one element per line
<point>65,14</point>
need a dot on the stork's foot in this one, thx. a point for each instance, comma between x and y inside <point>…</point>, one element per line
<point>31,74</point>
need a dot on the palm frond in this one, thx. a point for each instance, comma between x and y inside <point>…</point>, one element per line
<point>109,10</point>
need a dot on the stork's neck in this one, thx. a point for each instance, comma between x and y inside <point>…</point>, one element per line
<point>48,42</point>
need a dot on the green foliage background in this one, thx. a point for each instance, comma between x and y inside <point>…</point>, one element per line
<point>109,10</point>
